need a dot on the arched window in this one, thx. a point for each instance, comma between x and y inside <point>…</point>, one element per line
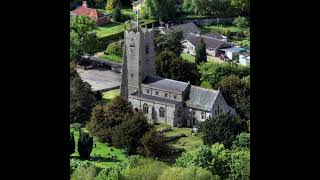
<point>202,115</point>
<point>147,49</point>
<point>161,112</point>
<point>145,108</point>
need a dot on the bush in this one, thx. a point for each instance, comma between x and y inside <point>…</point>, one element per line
<point>241,34</point>
<point>85,144</point>
<point>110,173</point>
<point>241,141</point>
<point>115,48</point>
<point>201,157</point>
<point>240,22</point>
<point>75,163</point>
<point>206,84</point>
<point>190,173</point>
<point>72,144</point>
<point>239,164</point>
<point>84,173</point>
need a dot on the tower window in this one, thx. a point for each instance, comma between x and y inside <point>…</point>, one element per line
<point>147,49</point>
<point>148,91</point>
<point>166,94</point>
<point>157,93</point>
<point>131,75</point>
<point>175,96</point>
<point>161,112</point>
<point>145,108</point>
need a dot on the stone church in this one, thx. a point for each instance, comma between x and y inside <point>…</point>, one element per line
<point>163,100</point>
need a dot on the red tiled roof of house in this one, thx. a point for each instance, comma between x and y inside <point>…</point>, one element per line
<point>85,11</point>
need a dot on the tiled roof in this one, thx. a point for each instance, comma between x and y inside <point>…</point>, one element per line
<point>85,11</point>
<point>186,28</point>
<point>213,35</point>
<point>154,98</point>
<point>165,84</point>
<point>210,42</point>
<point>201,98</point>
<point>137,2</point>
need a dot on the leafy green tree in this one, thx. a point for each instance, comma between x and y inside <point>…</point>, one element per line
<point>116,14</point>
<point>85,144</point>
<point>128,134</point>
<point>168,65</point>
<point>224,128</point>
<point>213,72</point>
<point>239,164</point>
<point>201,157</point>
<point>189,173</point>
<point>229,87</point>
<point>104,119</point>
<point>214,8</point>
<point>243,6</point>
<point>82,38</point>
<point>241,141</point>
<point>188,6</point>
<point>169,42</point>
<point>201,54</point>
<point>240,22</point>
<point>82,99</point>
<point>162,9</point>
<point>112,4</point>
<point>220,159</point>
<point>72,144</point>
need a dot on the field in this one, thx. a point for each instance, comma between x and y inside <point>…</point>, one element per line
<point>109,95</point>
<point>111,57</point>
<point>191,58</point>
<point>101,154</point>
<point>110,29</point>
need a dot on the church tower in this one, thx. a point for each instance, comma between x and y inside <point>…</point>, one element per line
<point>139,59</point>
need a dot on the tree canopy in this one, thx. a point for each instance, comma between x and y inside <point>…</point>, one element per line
<point>169,42</point>
<point>83,39</point>
<point>201,53</point>
<point>159,9</point>
<point>223,129</point>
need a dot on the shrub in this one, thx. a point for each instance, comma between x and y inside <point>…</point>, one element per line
<point>85,144</point>
<point>241,34</point>
<point>239,164</point>
<point>84,173</point>
<point>109,173</point>
<point>220,158</point>
<point>72,144</point>
<point>189,173</point>
<point>241,141</point>
<point>75,163</point>
<point>240,22</point>
<point>201,157</point>
<point>115,48</point>
<point>206,84</point>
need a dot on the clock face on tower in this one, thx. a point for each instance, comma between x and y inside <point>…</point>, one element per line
<point>132,46</point>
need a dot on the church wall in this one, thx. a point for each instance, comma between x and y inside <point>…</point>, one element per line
<point>220,106</point>
<point>161,93</point>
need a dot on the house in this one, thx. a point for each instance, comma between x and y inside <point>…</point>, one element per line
<point>84,10</point>
<point>136,6</point>
<point>163,100</point>
<point>244,58</point>
<point>233,52</point>
<point>213,45</point>
<point>192,35</point>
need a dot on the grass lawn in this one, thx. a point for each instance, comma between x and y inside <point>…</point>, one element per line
<point>110,29</point>
<point>101,154</point>
<point>109,95</point>
<point>188,143</point>
<point>191,58</point>
<point>111,57</point>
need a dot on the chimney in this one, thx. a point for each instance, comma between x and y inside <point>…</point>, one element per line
<point>84,4</point>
